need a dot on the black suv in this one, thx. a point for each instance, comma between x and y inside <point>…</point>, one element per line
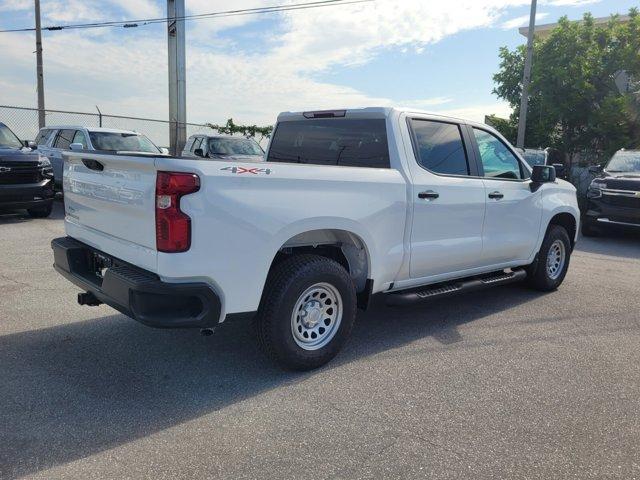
<point>26,177</point>
<point>613,198</point>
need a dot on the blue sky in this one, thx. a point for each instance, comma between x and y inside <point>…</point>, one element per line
<point>436,55</point>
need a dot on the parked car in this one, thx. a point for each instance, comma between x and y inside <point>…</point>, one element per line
<point>223,147</point>
<point>613,197</point>
<point>349,203</point>
<point>53,141</point>
<point>538,156</point>
<point>26,177</point>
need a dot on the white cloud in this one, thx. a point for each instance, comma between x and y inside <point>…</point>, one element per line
<point>137,9</point>
<point>570,3</point>
<point>67,11</point>
<point>478,112</point>
<point>15,5</point>
<point>427,102</point>
<point>126,73</point>
<point>522,21</point>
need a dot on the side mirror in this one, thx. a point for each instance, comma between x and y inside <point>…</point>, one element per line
<point>30,144</point>
<point>542,174</point>
<point>164,151</point>
<point>198,152</point>
<point>76,146</point>
<point>595,169</point>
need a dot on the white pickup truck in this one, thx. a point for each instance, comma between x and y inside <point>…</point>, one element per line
<point>349,203</point>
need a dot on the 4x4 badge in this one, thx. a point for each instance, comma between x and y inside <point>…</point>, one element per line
<point>254,171</point>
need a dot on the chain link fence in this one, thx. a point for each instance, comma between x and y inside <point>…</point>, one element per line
<point>24,123</point>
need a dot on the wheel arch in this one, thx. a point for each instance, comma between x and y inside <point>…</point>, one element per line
<point>568,221</point>
<point>344,246</point>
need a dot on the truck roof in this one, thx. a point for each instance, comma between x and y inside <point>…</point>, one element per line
<point>366,112</point>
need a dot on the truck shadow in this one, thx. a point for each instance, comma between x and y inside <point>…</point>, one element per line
<point>71,391</point>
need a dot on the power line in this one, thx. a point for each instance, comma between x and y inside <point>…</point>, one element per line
<point>227,13</point>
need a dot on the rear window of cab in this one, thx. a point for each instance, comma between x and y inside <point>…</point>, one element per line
<point>342,142</point>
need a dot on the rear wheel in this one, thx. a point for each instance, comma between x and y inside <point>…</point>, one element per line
<point>41,212</point>
<point>553,260</point>
<point>307,312</point>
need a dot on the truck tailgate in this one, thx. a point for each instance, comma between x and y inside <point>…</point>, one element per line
<point>110,204</point>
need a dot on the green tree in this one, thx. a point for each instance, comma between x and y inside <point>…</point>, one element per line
<point>507,127</point>
<point>231,128</point>
<point>574,104</point>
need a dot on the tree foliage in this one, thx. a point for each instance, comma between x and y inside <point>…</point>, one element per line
<point>574,104</point>
<point>507,127</point>
<point>231,128</point>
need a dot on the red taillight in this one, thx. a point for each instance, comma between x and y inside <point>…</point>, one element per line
<point>173,227</point>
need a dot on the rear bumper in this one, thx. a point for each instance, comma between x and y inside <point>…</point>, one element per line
<point>137,293</point>
<point>26,195</point>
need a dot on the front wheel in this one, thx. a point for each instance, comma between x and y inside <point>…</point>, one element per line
<point>553,260</point>
<point>307,312</point>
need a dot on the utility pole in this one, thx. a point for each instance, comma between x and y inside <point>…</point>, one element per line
<point>39,73</point>
<point>524,101</point>
<point>177,77</point>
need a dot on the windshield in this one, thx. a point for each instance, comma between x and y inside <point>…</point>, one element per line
<point>122,142</point>
<point>534,157</point>
<point>234,146</point>
<point>628,162</point>
<point>8,139</point>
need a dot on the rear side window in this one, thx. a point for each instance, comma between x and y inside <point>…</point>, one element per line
<point>189,144</point>
<point>64,139</point>
<point>80,138</point>
<point>343,142</point>
<point>42,137</point>
<point>439,147</point>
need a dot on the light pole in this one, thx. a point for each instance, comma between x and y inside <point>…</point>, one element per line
<point>524,101</point>
<point>177,77</point>
<point>39,73</point>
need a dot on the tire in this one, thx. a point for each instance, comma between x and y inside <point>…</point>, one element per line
<point>546,275</point>
<point>314,296</point>
<point>40,212</point>
<point>588,230</point>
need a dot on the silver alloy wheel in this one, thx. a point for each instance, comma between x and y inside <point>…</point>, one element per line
<point>316,316</point>
<point>555,259</point>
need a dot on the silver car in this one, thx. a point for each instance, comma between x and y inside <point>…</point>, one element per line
<point>52,141</point>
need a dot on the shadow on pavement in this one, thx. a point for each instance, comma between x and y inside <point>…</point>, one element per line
<point>20,216</point>
<point>76,389</point>
<point>612,241</point>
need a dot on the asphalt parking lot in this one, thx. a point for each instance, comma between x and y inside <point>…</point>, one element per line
<point>505,383</point>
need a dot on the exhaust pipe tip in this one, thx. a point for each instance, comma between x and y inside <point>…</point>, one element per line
<point>206,332</point>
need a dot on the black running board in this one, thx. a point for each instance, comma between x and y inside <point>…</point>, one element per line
<point>444,289</point>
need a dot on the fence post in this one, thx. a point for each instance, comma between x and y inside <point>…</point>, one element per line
<point>99,116</point>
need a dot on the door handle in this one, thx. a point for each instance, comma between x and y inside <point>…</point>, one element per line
<point>93,164</point>
<point>496,195</point>
<point>429,195</point>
